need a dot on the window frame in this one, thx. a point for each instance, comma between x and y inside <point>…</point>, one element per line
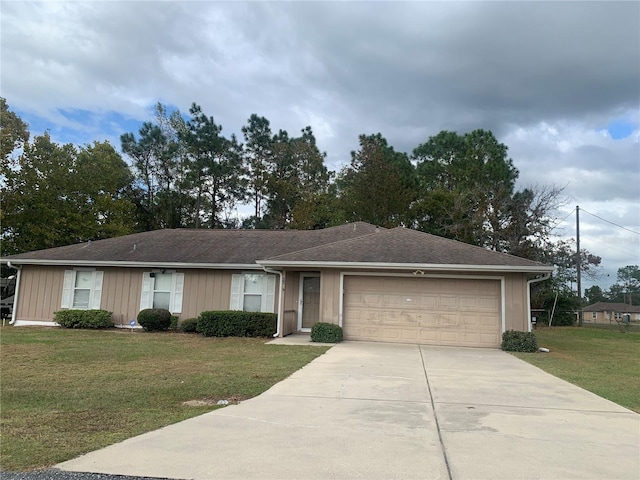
<point>176,292</point>
<point>267,293</point>
<point>155,290</point>
<point>69,289</point>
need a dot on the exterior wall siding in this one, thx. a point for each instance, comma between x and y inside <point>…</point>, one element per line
<point>516,314</point>
<point>121,293</point>
<point>206,290</point>
<point>40,292</point>
<point>291,294</point>
<point>330,296</point>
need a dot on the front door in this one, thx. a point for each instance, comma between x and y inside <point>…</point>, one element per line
<point>309,301</point>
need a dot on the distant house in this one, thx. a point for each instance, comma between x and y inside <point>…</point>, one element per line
<point>396,285</point>
<point>605,312</point>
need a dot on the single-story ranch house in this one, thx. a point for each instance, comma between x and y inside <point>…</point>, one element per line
<point>608,312</point>
<point>392,285</point>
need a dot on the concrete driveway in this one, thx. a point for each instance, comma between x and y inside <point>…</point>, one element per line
<point>385,411</point>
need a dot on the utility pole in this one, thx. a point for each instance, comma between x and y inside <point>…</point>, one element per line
<point>578,266</point>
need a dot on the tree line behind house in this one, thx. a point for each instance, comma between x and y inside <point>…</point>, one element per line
<point>181,171</point>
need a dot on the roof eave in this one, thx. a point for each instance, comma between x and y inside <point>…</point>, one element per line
<point>274,263</point>
<point>408,266</point>
<point>133,264</point>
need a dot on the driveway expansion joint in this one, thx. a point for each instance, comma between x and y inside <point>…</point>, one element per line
<point>435,415</point>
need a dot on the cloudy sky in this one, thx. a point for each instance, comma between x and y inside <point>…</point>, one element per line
<point>557,82</point>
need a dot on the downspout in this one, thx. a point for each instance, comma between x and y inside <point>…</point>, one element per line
<point>545,276</point>
<point>18,268</point>
<point>280,302</point>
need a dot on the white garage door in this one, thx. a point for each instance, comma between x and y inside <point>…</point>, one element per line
<point>422,310</point>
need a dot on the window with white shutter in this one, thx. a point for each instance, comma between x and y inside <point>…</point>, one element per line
<point>253,292</point>
<point>82,289</point>
<point>162,289</point>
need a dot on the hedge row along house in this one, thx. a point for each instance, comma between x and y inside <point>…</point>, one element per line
<point>395,285</point>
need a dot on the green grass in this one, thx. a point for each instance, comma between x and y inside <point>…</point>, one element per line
<point>603,361</point>
<point>633,327</point>
<point>67,392</point>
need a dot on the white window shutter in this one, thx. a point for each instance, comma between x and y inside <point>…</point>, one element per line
<point>237,286</point>
<point>67,288</point>
<point>268,294</point>
<point>147,286</point>
<point>96,295</point>
<point>177,289</point>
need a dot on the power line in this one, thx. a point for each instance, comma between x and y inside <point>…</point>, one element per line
<point>612,223</point>
<point>563,220</point>
<point>632,255</point>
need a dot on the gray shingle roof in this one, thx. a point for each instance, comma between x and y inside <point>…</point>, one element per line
<point>403,245</point>
<point>201,246</point>
<point>356,243</point>
<point>612,307</point>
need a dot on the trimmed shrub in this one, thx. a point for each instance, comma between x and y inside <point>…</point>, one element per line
<point>326,333</point>
<point>83,318</point>
<point>154,319</point>
<point>236,324</point>
<point>189,325</point>
<point>514,341</point>
<point>174,323</point>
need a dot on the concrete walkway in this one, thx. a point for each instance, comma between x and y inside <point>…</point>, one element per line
<point>384,411</point>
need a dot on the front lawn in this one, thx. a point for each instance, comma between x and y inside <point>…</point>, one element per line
<point>67,392</point>
<point>603,361</point>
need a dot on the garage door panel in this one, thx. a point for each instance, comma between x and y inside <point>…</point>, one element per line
<point>447,321</point>
<point>391,301</point>
<point>488,338</point>
<point>469,303</point>
<point>422,310</point>
<point>487,321</point>
<point>428,336</point>
<point>491,304</point>
<point>409,334</point>
<point>470,321</point>
<point>371,300</point>
<point>430,301</point>
<point>449,302</point>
